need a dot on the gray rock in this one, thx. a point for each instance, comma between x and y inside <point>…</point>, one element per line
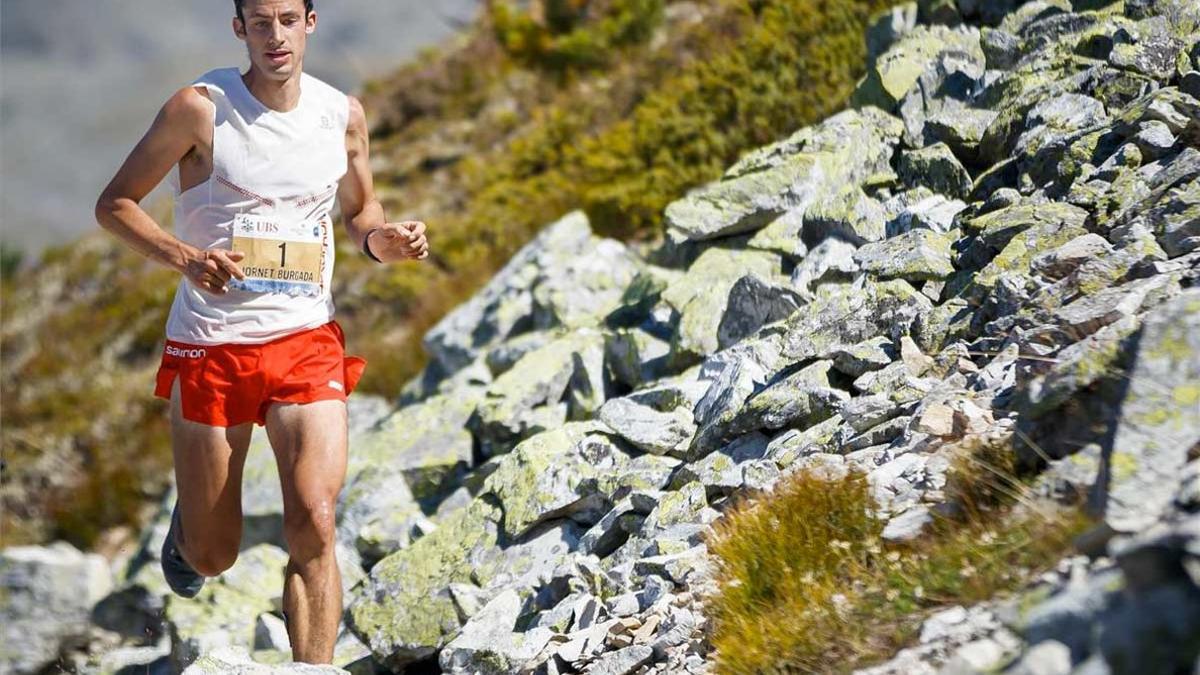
<point>48,593</point>
<point>888,27</point>
<point>562,380</point>
<point>917,255</point>
<point>950,83</point>
<point>863,412</point>
<point>489,644</point>
<point>270,632</point>
<point>857,360</point>
<point>907,525</point>
<point>799,399</point>
<point>1045,658</point>
<point>377,513</point>
<point>554,475</point>
<point>428,442</point>
<point>1060,262</point>
<point>1154,139</point>
<point>634,356</point>
<point>578,290</point>
<point>237,660</point>
<point>701,295</point>
<point>937,168</point>
<point>786,176</point>
<point>225,612</point>
<point>657,432</point>
<point>504,307</point>
<point>1092,312</point>
<point>847,318</point>
<point>896,71</point>
<point>722,472</point>
<point>732,376</point>
<point>1158,421</point>
<point>753,303</point>
<point>831,260</point>
<point>845,212</point>
<point>623,661</point>
<point>921,209</point>
<point>961,129</point>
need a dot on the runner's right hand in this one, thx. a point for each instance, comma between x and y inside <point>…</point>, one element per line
<point>211,268</point>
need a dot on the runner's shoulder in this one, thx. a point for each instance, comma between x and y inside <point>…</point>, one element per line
<point>188,107</point>
<point>357,122</point>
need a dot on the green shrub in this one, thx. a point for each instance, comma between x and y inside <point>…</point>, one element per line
<point>573,34</point>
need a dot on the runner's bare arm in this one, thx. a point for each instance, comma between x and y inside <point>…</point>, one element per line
<point>361,210</point>
<point>175,131</point>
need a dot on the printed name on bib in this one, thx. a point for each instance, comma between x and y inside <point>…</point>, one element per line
<point>281,257</point>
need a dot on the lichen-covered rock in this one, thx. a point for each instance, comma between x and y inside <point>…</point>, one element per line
<point>951,82</point>
<point>917,255</point>
<point>554,474</point>
<point>634,356</point>
<point>580,289</point>
<point>830,261</point>
<point>961,130</point>
<point>936,167</point>
<point>377,514</point>
<point>658,432</point>
<point>753,303</point>
<point>888,27</point>
<point>504,307</point>
<point>224,613</point>
<point>562,380</point>
<point>427,442</point>
<point>1160,416</point>
<point>847,213</point>
<point>1076,367</point>
<point>843,150</point>
<point>404,611</point>
<point>701,296</point>
<point>921,208</point>
<point>838,321</point>
<point>896,71</point>
<point>798,399</point>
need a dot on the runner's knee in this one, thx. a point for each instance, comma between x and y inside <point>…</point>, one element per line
<point>211,558</point>
<point>310,527</point>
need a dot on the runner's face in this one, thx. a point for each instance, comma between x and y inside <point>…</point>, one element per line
<point>276,33</point>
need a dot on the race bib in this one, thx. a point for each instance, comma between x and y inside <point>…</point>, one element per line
<point>281,257</point>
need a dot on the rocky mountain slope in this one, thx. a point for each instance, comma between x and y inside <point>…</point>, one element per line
<point>997,243</point>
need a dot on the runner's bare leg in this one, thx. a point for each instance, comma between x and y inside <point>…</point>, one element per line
<point>310,443</point>
<point>208,479</point>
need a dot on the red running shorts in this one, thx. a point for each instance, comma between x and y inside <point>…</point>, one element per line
<point>228,384</point>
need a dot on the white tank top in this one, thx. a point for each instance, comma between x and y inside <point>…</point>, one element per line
<point>274,179</point>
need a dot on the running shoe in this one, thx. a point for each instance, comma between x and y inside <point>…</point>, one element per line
<point>180,576</point>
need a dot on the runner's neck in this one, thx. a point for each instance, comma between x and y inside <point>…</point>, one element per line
<point>281,97</point>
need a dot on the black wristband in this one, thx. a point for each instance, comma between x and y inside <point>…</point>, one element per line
<point>367,247</point>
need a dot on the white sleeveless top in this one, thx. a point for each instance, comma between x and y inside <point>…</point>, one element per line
<point>282,167</point>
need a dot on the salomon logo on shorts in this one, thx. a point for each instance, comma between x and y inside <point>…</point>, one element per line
<point>186,353</point>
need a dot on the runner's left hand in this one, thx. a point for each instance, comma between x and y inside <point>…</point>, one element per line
<point>400,241</point>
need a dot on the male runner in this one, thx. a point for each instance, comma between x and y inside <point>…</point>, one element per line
<point>260,157</point>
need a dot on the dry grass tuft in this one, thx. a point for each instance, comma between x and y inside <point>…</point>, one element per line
<point>806,584</point>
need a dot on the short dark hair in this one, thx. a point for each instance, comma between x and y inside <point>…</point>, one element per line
<point>237,7</point>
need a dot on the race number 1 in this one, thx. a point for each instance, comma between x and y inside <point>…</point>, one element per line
<point>281,257</point>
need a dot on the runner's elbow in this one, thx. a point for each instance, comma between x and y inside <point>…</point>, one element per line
<point>106,207</point>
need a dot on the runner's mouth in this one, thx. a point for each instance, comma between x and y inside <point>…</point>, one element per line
<point>279,57</point>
